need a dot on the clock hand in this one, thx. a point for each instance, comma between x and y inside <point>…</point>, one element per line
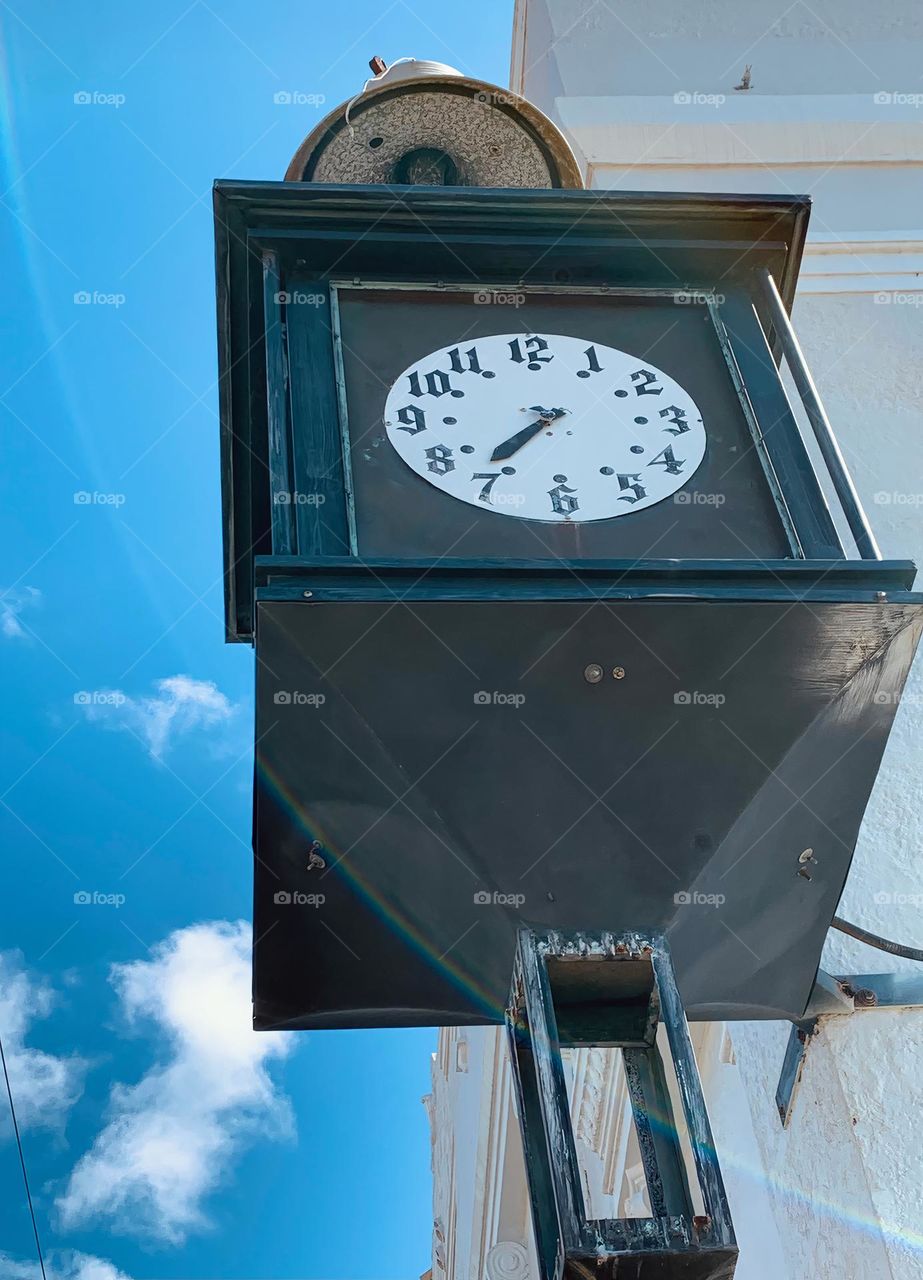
<point>515,442</point>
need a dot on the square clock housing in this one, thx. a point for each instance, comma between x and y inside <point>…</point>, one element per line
<point>565,611</point>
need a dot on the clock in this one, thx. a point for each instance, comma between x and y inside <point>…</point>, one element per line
<point>548,422</point>
<point>541,426</point>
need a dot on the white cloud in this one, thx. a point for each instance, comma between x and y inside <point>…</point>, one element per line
<point>12,604</point>
<point>180,705</point>
<point>44,1087</point>
<point>67,1265</point>
<point>171,1137</point>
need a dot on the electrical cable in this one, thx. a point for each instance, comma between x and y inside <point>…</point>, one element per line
<point>22,1162</point>
<point>875,940</point>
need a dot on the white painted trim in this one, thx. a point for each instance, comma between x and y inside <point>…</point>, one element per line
<point>518,48</point>
<point>741,130</point>
<point>863,262</point>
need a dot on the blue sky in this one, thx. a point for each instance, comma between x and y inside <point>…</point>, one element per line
<point>126,728</point>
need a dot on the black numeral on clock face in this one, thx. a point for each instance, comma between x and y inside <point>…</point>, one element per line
<point>632,482</point>
<point>646,383</point>
<point>491,477</point>
<point>414,419</point>
<point>437,383</point>
<point>563,501</point>
<point>671,465</point>
<point>593,363</point>
<point>467,362</point>
<point>536,352</point>
<point>440,460</point>
<point>677,418</point>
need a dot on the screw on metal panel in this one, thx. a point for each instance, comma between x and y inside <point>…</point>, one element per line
<point>804,858</point>
<point>593,673</point>
<point>881,595</point>
<point>618,673</point>
<point>307,594</point>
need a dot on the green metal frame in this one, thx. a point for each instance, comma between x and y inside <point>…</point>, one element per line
<point>271,237</point>
<point>613,990</point>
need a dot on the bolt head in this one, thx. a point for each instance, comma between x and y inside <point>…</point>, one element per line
<point>593,673</point>
<point>618,673</point>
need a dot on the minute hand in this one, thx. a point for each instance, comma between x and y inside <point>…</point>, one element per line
<point>509,447</point>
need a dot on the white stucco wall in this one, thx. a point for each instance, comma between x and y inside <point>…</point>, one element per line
<point>846,1177</point>
<point>835,109</point>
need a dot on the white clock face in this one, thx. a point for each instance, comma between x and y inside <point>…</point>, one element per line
<point>545,427</point>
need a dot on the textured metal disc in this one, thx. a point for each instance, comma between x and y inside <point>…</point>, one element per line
<point>470,133</point>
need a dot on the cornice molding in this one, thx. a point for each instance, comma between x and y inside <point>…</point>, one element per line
<point>701,129</point>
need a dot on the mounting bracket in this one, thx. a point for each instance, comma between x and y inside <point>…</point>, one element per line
<point>834,998</point>
<point>614,990</point>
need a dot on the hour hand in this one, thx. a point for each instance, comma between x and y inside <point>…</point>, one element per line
<point>515,442</point>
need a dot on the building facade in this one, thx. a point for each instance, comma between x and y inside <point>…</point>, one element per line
<point>731,96</point>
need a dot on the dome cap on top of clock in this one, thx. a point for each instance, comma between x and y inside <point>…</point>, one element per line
<point>423,123</point>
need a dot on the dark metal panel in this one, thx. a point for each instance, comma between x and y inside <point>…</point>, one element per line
<point>838,579</point>
<point>738,229</point>
<point>320,497</point>
<point>797,480</point>
<point>836,464</point>
<point>280,461</point>
<point>238,427</point>
<point>371,740</point>
<point>725,510</point>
